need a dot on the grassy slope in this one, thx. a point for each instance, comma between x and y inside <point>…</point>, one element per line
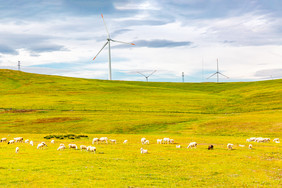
<point>207,113</point>
<point>61,104</point>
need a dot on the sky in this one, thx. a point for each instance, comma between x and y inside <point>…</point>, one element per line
<point>61,37</point>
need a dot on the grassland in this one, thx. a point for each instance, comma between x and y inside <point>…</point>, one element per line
<point>34,106</point>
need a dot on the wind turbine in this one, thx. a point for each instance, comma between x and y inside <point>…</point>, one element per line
<point>109,40</point>
<point>217,73</point>
<point>148,75</point>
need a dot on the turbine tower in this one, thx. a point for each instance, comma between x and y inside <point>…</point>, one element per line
<point>109,40</point>
<point>148,75</point>
<point>217,73</point>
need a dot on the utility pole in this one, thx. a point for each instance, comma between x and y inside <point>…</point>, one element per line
<point>182,76</point>
<point>19,66</point>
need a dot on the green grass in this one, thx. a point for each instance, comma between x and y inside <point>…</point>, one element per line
<point>34,106</point>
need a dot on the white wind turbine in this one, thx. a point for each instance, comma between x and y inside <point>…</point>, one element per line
<point>217,73</point>
<point>147,76</point>
<point>109,43</point>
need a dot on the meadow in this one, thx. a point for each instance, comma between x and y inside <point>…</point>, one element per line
<point>33,106</point>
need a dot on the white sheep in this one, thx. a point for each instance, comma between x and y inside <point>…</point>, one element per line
<point>18,139</point>
<point>248,140</point>
<point>166,140</point>
<point>277,142</point>
<point>11,142</point>
<point>229,146</point>
<point>192,145</point>
<point>178,146</point>
<point>41,145</point>
<point>171,141</point>
<point>91,149</point>
<point>31,143</point>
<point>143,140</point>
<point>125,141</point>
<point>113,141</point>
<point>241,145</point>
<point>95,140</point>
<point>61,144</point>
<point>159,141</point>
<point>17,149</point>
<point>275,139</point>
<point>52,141</point>
<point>250,146</point>
<point>143,151</point>
<point>253,139</point>
<point>72,146</point>
<point>26,141</point>
<point>61,147</point>
<point>83,147</point>
<point>104,139</point>
<point>146,142</point>
<point>5,140</point>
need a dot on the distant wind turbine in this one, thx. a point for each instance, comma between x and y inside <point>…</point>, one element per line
<point>148,75</point>
<point>109,43</point>
<point>217,73</point>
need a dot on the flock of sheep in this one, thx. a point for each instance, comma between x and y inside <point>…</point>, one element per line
<point>144,141</point>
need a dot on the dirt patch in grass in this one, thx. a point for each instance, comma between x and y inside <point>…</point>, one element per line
<point>57,120</point>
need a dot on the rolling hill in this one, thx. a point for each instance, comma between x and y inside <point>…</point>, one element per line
<point>33,103</point>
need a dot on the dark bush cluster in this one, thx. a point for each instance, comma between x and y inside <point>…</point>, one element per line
<point>66,136</point>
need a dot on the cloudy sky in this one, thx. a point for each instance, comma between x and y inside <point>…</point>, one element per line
<point>61,37</point>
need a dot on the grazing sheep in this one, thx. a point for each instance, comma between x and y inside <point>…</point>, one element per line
<point>146,142</point>
<point>41,145</point>
<point>52,141</point>
<point>82,147</point>
<point>113,141</point>
<point>267,139</point>
<point>61,147</point>
<point>192,144</point>
<point>166,140</point>
<point>104,139</point>
<point>11,142</point>
<point>277,142</point>
<point>31,143</point>
<point>143,151</point>
<point>26,141</point>
<point>91,149</point>
<point>241,145</point>
<point>171,141</point>
<point>143,140</point>
<point>5,140</point>
<point>253,139</point>
<point>178,146</point>
<point>95,140</point>
<point>250,146</point>
<point>125,141</point>
<point>248,140</point>
<point>17,149</point>
<point>72,146</point>
<point>210,147</point>
<point>159,141</point>
<point>229,146</point>
<point>274,140</point>
<point>18,139</point>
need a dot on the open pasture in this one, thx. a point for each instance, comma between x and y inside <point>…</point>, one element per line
<point>33,106</point>
<point>122,165</point>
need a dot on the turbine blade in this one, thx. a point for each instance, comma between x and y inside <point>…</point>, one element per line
<point>223,75</point>
<point>142,74</point>
<point>105,26</point>
<point>100,50</point>
<point>211,75</point>
<point>123,42</point>
<point>152,73</point>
